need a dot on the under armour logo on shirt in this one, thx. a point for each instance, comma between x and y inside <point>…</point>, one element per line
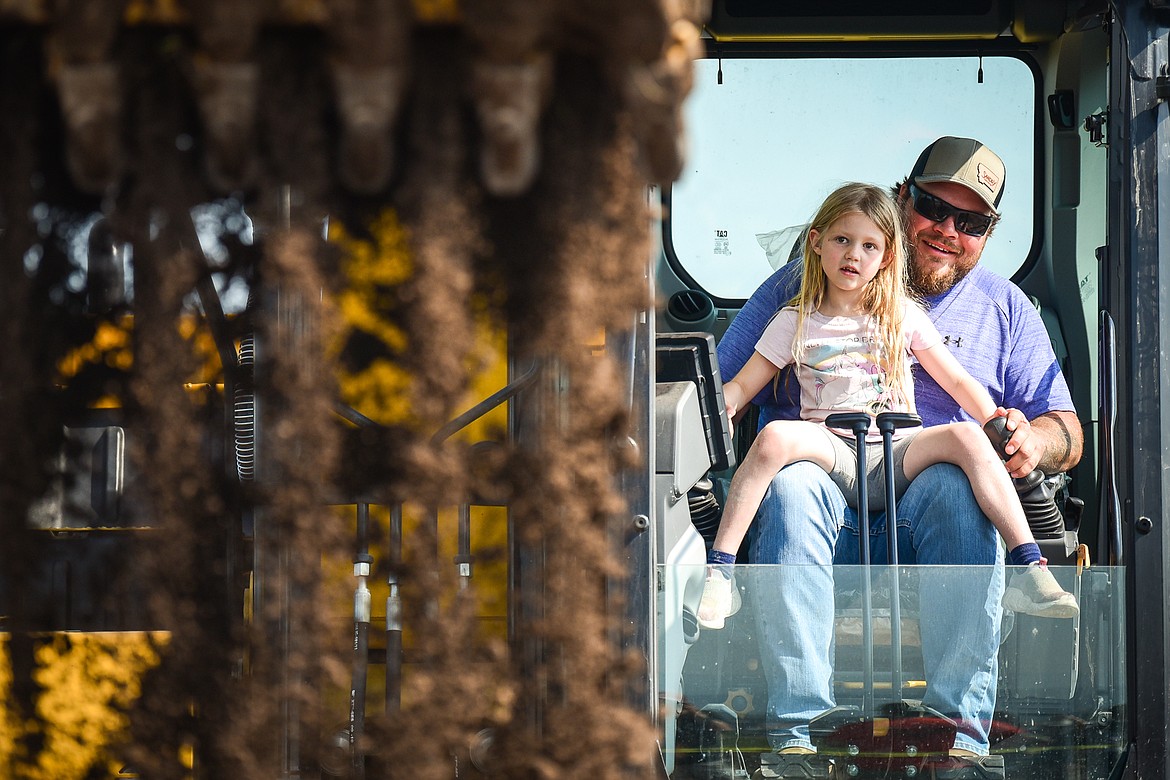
<point>956,340</point>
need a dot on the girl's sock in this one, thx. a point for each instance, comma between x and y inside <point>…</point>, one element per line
<point>1024,554</point>
<point>722,561</point>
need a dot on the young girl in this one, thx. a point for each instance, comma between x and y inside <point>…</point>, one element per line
<point>848,330</point>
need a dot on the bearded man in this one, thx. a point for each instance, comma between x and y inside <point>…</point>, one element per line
<point>950,201</point>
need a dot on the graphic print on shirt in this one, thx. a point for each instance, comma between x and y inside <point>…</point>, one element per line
<point>846,374</point>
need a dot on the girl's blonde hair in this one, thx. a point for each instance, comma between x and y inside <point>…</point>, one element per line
<point>884,298</point>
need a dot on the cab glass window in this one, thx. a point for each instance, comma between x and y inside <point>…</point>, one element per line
<point>768,139</point>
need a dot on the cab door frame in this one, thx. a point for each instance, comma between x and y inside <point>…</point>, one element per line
<point>1136,294</point>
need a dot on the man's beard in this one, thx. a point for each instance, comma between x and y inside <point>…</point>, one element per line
<point>927,283</point>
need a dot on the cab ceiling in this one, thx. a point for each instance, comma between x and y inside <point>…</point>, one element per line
<point>1029,21</point>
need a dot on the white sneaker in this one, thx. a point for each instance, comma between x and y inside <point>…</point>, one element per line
<point>1034,591</point>
<point>720,600</point>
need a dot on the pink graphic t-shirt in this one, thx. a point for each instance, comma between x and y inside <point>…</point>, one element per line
<point>840,369</point>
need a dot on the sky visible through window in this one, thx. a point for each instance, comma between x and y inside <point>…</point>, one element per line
<point>769,143</point>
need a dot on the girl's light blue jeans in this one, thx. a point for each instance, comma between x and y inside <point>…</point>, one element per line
<point>804,525</point>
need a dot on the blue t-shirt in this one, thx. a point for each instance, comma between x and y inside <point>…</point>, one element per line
<point>989,325</point>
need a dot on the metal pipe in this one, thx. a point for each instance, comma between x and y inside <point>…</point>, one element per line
<point>463,556</point>
<point>394,615</point>
<point>361,642</point>
<point>858,422</point>
<point>887,422</point>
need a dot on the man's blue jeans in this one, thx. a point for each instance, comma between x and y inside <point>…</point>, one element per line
<point>803,522</point>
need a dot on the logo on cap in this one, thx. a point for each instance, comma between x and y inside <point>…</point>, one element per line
<point>986,177</point>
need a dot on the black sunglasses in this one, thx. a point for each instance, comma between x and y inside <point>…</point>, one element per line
<point>937,210</point>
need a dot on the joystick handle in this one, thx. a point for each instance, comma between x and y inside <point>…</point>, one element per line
<point>996,430</point>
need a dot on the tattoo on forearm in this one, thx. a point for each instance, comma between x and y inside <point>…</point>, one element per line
<point>1052,463</point>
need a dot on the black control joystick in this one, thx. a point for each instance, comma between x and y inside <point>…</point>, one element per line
<point>1037,495</point>
<point>996,430</point>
